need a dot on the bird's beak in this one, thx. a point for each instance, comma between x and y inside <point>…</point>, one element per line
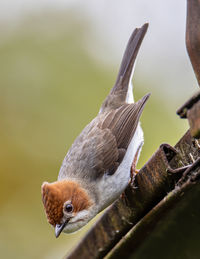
<point>59,228</point>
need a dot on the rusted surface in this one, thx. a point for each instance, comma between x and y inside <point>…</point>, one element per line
<point>193,35</point>
<point>192,174</point>
<point>188,151</point>
<point>131,242</point>
<point>152,184</point>
<point>153,180</point>
<point>191,109</point>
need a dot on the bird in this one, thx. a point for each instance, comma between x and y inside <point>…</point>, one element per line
<point>96,169</point>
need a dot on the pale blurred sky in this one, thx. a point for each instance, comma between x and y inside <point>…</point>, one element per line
<point>163,56</point>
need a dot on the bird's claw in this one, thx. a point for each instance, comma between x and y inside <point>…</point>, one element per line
<point>124,198</point>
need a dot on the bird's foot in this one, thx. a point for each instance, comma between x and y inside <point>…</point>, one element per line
<point>124,198</point>
<point>133,174</point>
<point>134,171</point>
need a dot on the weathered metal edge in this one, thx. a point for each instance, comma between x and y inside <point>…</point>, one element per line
<point>136,236</point>
<point>182,111</point>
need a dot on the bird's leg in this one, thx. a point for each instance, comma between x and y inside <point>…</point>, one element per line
<point>124,198</point>
<point>133,172</point>
<point>133,166</point>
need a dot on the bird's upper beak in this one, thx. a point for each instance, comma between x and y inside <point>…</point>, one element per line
<point>59,228</point>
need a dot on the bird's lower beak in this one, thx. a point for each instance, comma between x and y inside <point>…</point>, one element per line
<point>59,228</point>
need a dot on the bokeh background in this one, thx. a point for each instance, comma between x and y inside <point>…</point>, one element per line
<point>58,60</point>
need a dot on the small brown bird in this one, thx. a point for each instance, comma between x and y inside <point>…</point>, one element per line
<point>96,169</point>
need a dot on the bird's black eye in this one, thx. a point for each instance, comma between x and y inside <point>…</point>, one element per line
<point>68,208</point>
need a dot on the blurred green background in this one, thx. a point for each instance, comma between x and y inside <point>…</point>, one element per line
<point>51,87</point>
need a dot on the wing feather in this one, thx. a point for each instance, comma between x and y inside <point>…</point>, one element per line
<point>101,146</point>
<point>123,123</point>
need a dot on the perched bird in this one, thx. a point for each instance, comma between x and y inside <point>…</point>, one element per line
<point>96,169</point>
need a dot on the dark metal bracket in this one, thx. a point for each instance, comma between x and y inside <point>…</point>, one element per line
<point>191,111</point>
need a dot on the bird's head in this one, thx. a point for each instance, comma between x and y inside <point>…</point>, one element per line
<point>67,205</point>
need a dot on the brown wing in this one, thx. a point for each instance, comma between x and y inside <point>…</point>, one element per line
<point>123,123</point>
<point>92,153</point>
<point>102,145</point>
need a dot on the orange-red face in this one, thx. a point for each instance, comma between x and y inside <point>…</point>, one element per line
<point>56,196</point>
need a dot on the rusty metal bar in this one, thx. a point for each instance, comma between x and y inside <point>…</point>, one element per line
<point>191,109</point>
<point>130,243</point>
<point>193,35</point>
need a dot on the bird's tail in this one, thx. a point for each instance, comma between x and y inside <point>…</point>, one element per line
<point>120,89</point>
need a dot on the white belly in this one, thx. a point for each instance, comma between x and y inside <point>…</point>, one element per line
<point>115,184</point>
